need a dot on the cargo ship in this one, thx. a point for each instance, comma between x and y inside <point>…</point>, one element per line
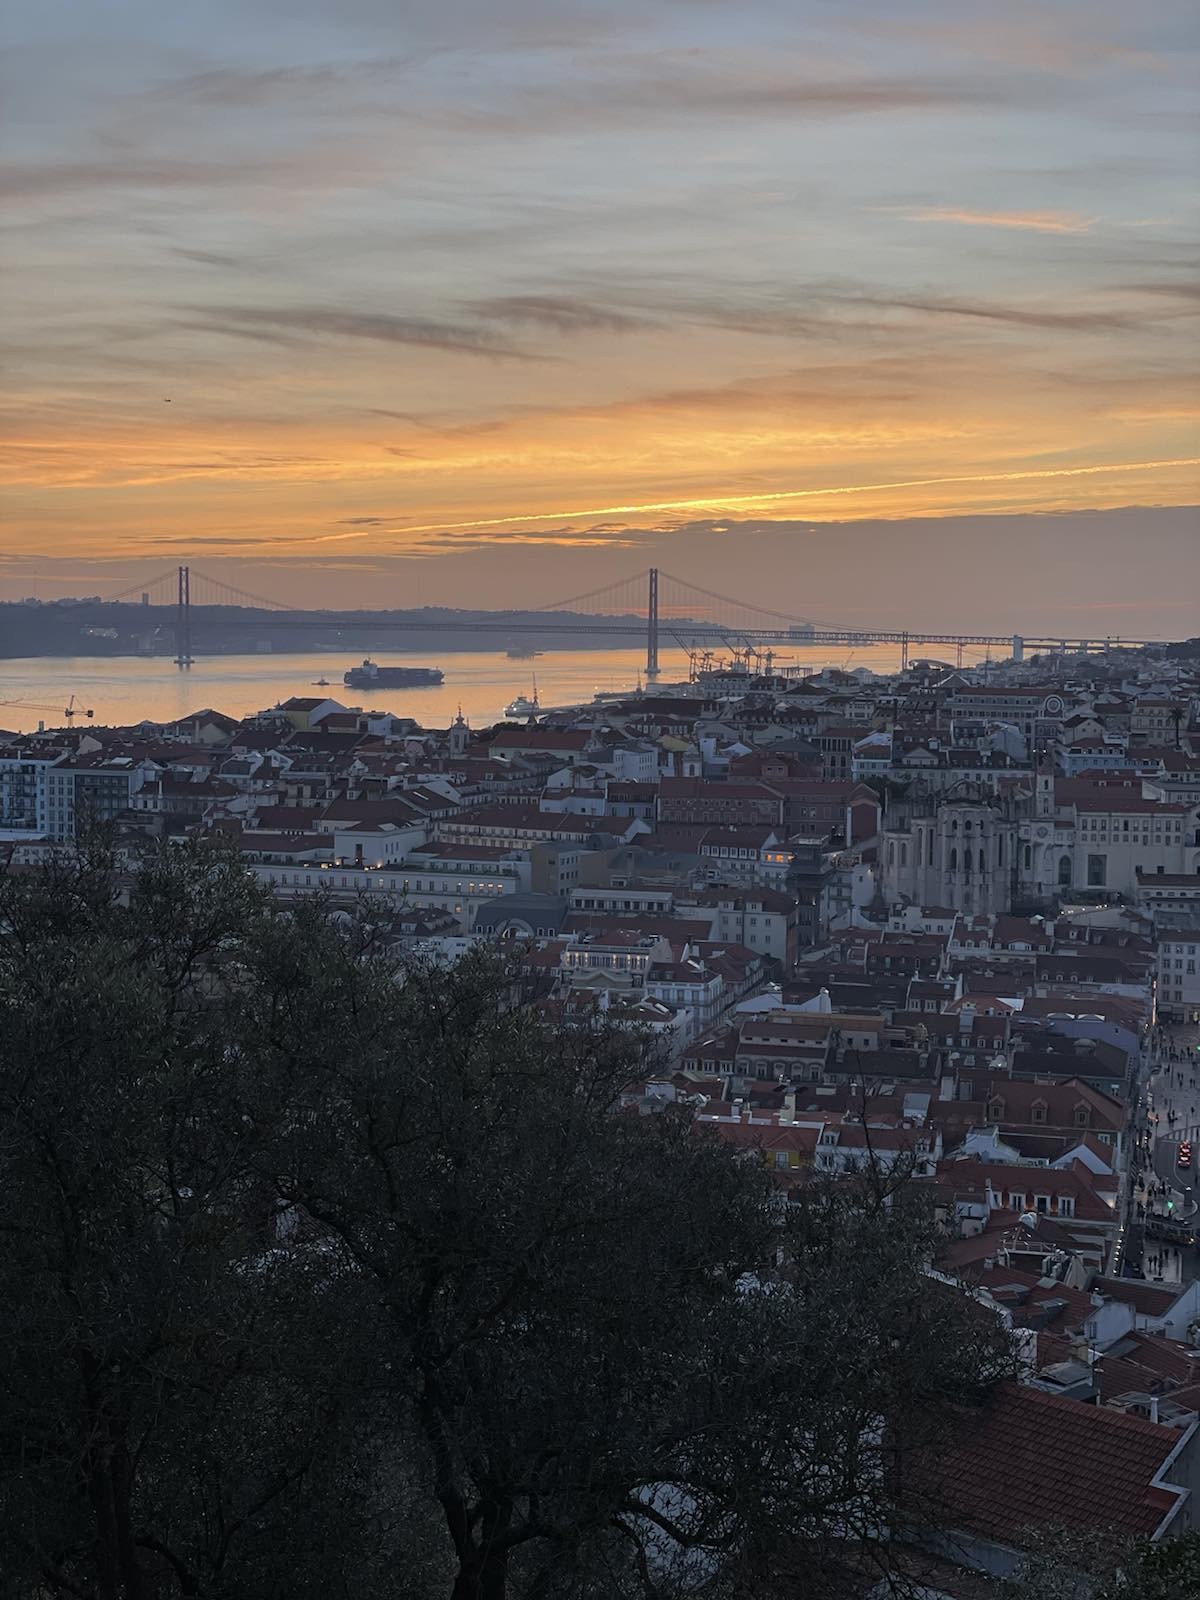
<point>372,676</point>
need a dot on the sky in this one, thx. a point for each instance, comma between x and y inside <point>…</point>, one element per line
<point>381,301</point>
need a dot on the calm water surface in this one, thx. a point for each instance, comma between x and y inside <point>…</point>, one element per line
<point>124,689</point>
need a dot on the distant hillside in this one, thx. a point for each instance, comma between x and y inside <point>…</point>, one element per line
<point>104,628</point>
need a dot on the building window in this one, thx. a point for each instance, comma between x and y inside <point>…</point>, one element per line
<point>1039,1111</point>
<point>1064,870</point>
<point>1097,871</point>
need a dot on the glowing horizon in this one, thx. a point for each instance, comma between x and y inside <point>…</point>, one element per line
<point>717,501</point>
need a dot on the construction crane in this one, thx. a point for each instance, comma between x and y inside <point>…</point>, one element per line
<point>69,710</point>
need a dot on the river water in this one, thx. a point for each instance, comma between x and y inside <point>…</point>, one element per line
<point>126,689</point>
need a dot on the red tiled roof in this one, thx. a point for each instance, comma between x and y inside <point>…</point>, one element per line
<point>1146,1298</point>
<point>761,1133</point>
<point>1026,1296</point>
<point>1032,1459</point>
<point>1166,1357</point>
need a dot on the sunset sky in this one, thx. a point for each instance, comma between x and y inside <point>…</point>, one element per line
<point>382,301</point>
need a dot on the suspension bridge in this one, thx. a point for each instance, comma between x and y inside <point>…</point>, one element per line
<point>652,605</point>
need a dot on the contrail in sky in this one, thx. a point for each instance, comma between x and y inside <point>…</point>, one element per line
<point>717,502</point>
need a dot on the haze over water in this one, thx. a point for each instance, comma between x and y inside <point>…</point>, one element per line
<point>126,689</point>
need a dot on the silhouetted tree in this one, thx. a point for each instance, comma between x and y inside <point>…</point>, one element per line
<point>330,1275</point>
<point>159,1433</point>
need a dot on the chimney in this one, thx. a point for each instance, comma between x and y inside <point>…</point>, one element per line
<point>1082,1351</point>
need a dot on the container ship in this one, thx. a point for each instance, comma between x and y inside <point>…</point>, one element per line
<point>372,676</point>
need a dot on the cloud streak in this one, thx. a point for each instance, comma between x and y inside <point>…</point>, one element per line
<point>559,312</point>
<point>1070,222</point>
<point>1057,319</point>
<point>323,322</point>
<point>777,496</point>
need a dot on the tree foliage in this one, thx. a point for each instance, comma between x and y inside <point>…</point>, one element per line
<point>329,1276</point>
<point>1106,1566</point>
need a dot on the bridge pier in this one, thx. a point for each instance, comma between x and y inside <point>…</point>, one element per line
<point>652,626</point>
<point>183,619</point>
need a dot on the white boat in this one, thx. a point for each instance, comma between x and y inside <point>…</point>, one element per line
<point>523,706</point>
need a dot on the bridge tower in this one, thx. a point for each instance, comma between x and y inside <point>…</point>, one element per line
<point>183,619</point>
<point>652,626</point>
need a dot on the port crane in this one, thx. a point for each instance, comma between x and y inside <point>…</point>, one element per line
<point>70,710</point>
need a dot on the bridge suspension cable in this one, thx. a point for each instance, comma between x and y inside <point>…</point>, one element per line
<point>685,587</point>
<point>233,596</point>
<point>613,590</point>
<point>165,581</point>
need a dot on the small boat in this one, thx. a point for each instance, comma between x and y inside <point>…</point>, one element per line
<point>320,683</point>
<point>520,653</point>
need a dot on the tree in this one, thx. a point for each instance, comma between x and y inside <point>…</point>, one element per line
<point>614,1350</point>
<point>1106,1566</point>
<point>153,1421</point>
<point>330,1275</point>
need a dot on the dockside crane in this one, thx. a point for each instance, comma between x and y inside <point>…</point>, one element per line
<point>70,710</point>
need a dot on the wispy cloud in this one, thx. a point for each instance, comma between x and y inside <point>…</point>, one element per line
<point>207,258</point>
<point>1029,221</point>
<point>1058,318</point>
<point>301,321</point>
<point>44,179</point>
<point>560,312</point>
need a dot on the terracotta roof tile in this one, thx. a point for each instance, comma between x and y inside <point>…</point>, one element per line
<point>1147,1299</point>
<point>1032,1459</point>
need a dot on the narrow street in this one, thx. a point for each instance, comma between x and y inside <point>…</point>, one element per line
<point>1168,1192</point>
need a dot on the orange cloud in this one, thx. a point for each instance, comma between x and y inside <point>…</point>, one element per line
<point>1032,221</point>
